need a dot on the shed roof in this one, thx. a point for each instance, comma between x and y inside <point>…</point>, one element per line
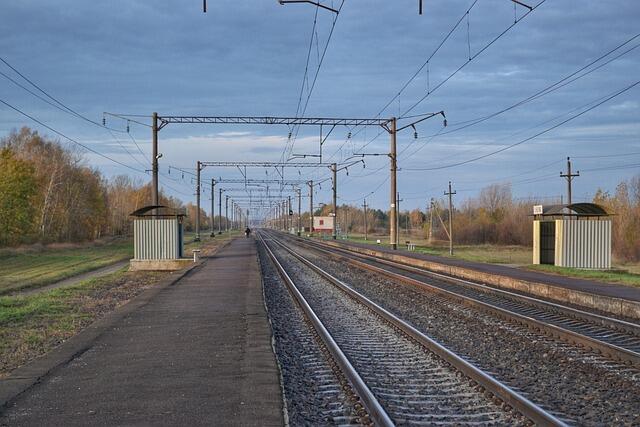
<point>161,211</point>
<point>575,209</point>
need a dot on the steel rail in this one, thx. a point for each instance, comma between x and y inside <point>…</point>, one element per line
<point>507,395</point>
<point>373,407</point>
<point>615,351</point>
<point>611,322</point>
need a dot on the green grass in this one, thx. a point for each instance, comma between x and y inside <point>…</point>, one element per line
<point>32,269</point>
<point>493,254</point>
<point>624,277</point>
<point>626,274</point>
<point>35,269</point>
<point>33,324</point>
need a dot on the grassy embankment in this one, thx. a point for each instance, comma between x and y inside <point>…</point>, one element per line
<point>38,266</point>
<point>520,256</point>
<point>32,325</point>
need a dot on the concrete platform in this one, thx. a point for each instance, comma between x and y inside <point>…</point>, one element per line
<point>610,298</point>
<point>197,353</point>
<point>159,264</point>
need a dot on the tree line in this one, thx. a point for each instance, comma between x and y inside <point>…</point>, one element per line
<point>49,194</point>
<point>496,217</point>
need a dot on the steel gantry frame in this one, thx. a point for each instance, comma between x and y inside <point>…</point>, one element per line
<point>390,125</point>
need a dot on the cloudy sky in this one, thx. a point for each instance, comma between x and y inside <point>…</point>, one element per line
<point>556,82</point>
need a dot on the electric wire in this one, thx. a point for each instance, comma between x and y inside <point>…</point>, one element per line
<point>315,77</point>
<point>474,56</point>
<point>550,88</point>
<point>45,93</point>
<point>66,110</point>
<point>439,85</point>
<point>70,139</point>
<point>608,98</point>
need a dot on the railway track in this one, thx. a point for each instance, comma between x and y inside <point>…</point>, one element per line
<point>401,375</point>
<point>612,337</point>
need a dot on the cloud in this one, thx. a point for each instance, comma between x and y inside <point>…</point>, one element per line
<point>625,106</point>
<point>241,59</point>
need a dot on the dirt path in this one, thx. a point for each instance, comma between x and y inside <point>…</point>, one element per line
<point>102,271</point>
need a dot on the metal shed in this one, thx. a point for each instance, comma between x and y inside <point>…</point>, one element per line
<point>576,235</point>
<point>157,233</point>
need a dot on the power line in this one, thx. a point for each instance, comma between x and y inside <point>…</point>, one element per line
<point>69,138</point>
<point>139,149</point>
<point>474,56</point>
<point>58,105</point>
<point>552,119</point>
<point>315,77</point>
<point>306,67</point>
<point>62,107</point>
<point>619,92</point>
<point>550,88</point>
<point>127,151</point>
<point>471,58</point>
<point>429,58</point>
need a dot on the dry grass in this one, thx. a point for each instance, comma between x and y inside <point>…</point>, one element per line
<point>32,325</point>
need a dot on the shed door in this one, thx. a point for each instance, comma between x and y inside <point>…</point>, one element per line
<point>547,242</point>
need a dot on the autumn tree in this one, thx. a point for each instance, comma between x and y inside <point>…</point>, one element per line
<point>17,191</point>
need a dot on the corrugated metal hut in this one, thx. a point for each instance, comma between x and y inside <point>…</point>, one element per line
<point>576,235</point>
<point>157,233</point>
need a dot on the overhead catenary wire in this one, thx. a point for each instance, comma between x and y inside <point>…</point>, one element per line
<point>315,77</point>
<point>127,151</point>
<point>305,80</point>
<point>473,57</point>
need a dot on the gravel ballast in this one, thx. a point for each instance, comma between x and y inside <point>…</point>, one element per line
<point>412,384</point>
<point>315,392</point>
<point>576,385</point>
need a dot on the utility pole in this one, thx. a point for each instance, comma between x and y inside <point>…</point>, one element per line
<point>284,215</point>
<point>299,191</point>
<point>450,194</point>
<point>198,168</point>
<point>289,215</point>
<point>365,219</point>
<point>398,200</point>
<point>226,214</point>
<point>393,238</point>
<point>569,177</point>
<point>213,207</point>
<point>334,170</point>
<point>154,167</point>
<point>431,221</point>
<point>311,207</point>
<point>220,212</point>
